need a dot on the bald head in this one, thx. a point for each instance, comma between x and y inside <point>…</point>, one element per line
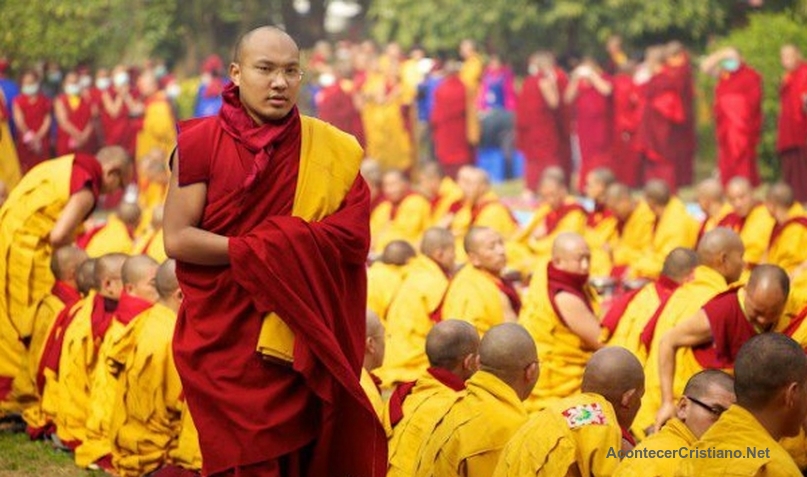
<point>374,327</point>
<point>713,389</point>
<point>790,56</point>
<point>768,278</point>
<point>555,172</point>
<point>398,252</point>
<point>450,342</point>
<point>615,374</point>
<point>781,195</point>
<point>740,194</point>
<point>432,169</point>
<point>700,383</point>
<point>85,276</point>
<point>129,213</point>
<point>571,253</point>
<point>371,172</point>
<point>434,239</point>
<point>260,33</point>
<point>679,264</point>
<point>110,266</point>
<point>65,261</point>
<point>657,192</point>
<point>137,267</point>
<point>722,250</point>
<point>116,166</point>
<point>375,342</point>
<point>711,190</point>
<point>506,351</point>
<point>166,279</point>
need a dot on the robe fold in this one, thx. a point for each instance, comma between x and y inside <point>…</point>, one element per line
<point>738,121</point>
<point>576,432</point>
<point>663,109</point>
<point>449,123</point>
<point>383,283</point>
<point>634,235</point>
<point>469,438</point>
<point>35,110</point>
<point>448,194</point>
<point>790,140</point>
<point>79,116</point>
<point>674,228</point>
<point>186,454</point>
<point>474,296</point>
<point>117,129</point>
<point>372,390</point>
<point>674,436</point>
<point>683,134</point>
<point>539,132</point>
<point>754,230</point>
<point>111,237</point>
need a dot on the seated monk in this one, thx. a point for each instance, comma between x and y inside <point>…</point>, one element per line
<point>720,263</point>
<point>480,207</point>
<point>414,408</point>
<point>580,435</point>
<point>601,224</point>
<point>786,247</point>
<point>706,396</point>
<point>154,169</point>
<point>674,227</point>
<point>137,297</point>
<point>770,380</point>
<point>441,191</point>
<point>402,215</point>
<point>634,227</point>
<point>417,307</point>
<point>47,375</point>
<point>469,438</point>
<point>478,294</point>
<point>749,218</point>
<point>371,172</point>
<point>151,242</point>
<point>628,315</point>
<point>38,321</point>
<point>148,408</point>
<point>373,357</point>
<point>560,312</point>
<point>713,204</point>
<point>185,459</point>
<point>116,235</point>
<point>385,276</point>
<point>713,336</point>
<point>43,212</point>
<point>78,360</point>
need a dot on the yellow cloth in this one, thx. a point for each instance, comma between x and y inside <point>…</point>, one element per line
<point>409,320</point>
<point>756,233</point>
<point>113,237</point>
<point>470,75</point>
<point>186,454</point>
<point>675,228</point>
<point>151,244</point>
<point>372,392</point>
<point>423,408</point>
<point>411,220</point>
<point>26,220</point>
<point>159,128</point>
<point>9,162</point>
<point>797,448</point>
<point>737,430</point>
<point>471,72</point>
<point>470,437</point>
<point>685,301</point>
<point>581,429</point>
<point>788,250</point>
<point>383,282</point>
<point>491,213</point>
<point>573,221</point>
<point>628,331</point>
<point>329,164</point>
<point>387,139</point>
<point>599,237</point>
<point>710,223</point>
<point>146,417</point>
<point>448,194</point>
<point>635,237</point>
<point>474,296</point>
<point>675,435</point>
<point>560,350</point>
<point>411,77</point>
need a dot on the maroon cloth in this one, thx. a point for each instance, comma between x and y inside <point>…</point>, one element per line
<point>103,311</point>
<point>794,171</point>
<point>35,109</point>
<point>117,129</point>
<point>664,288</point>
<point>733,221</point>
<point>553,218</point>
<point>79,118</point>
<point>738,121</point>
<point>730,330</point>
<point>597,215</point>
<point>84,239</point>
<point>52,349</point>
<point>174,471</point>
<point>86,173</point>
<point>779,228</point>
<point>662,109</point>
<point>539,131</point>
<point>129,307</point>
<point>506,287</point>
<point>796,322</point>
<point>396,400</point>
<point>626,435</point>
<point>335,106</point>
<point>251,411</point>
<point>792,132</point>
<point>449,123</point>
<point>627,161</point>
<point>683,134</point>
<point>592,119</point>
<point>573,283</point>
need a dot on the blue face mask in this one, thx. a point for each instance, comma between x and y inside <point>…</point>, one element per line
<point>730,64</point>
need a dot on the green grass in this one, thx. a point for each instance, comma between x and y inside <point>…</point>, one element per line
<point>20,457</point>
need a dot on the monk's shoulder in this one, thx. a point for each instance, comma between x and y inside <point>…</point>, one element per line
<point>330,134</point>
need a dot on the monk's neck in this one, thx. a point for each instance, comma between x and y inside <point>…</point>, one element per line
<point>172,305</point>
<point>771,421</point>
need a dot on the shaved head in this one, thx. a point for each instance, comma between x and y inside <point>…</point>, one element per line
<point>722,250</point>
<point>375,343</point>
<point>136,267</point>
<point>85,276</point>
<point>657,192</point>
<point>110,266</point>
<point>710,189</point>
<point>432,169</point>
<point>264,31</point>
<point>571,253</point>
<point>770,278</point>
<point>435,238</point>
<point>619,201</point>
<point>740,194</point>
<point>781,195</point>
<point>485,249</point>
<point>65,261</point>
<point>398,252</point>
<point>371,171</point>
<point>166,279</point>
<point>449,342</point>
<point>555,172</point>
<point>113,155</point>
<point>129,213</point>
<point>679,264</point>
<point>506,351</point>
<point>374,327</point>
<point>615,374</point>
<point>700,382</point>
<point>713,389</point>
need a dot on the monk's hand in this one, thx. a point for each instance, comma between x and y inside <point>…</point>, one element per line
<point>665,413</point>
<point>539,232</point>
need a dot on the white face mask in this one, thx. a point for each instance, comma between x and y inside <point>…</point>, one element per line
<point>533,69</point>
<point>103,83</point>
<point>121,79</point>
<point>173,90</point>
<point>30,89</point>
<point>72,89</point>
<point>85,81</point>
<point>326,79</point>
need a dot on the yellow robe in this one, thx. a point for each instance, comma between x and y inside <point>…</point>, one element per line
<point>580,429</point>
<point>387,139</point>
<point>673,436</point>
<point>151,244</point>
<point>560,350</point>
<point>685,301</point>
<point>159,128</point>
<point>146,418</point>
<point>9,162</point>
<point>675,228</point>
<point>423,408</point>
<point>628,331</point>
<point>598,236</point>
<point>737,430</point>
<point>635,237</point>
<point>756,234</point>
<point>113,237</point>
<point>411,220</point>
<point>538,249</point>
<point>448,194</point>
<point>470,437</point>
<point>26,220</point>
<point>383,282</point>
<point>186,454</point>
<point>710,223</point>
<point>474,296</point>
<point>372,392</point>
<point>788,250</point>
<point>491,213</point>
<point>409,320</point>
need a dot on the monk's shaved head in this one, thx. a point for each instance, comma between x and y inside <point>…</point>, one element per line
<point>769,278</point>
<point>434,239</point>
<point>371,171</point>
<point>110,266</point>
<point>657,192</point>
<point>398,252</point>
<point>679,264</point>
<point>472,239</point>
<point>570,253</point>
<point>375,342</point>
<point>555,172</point>
<point>85,276</point>
<point>781,195</point>
<point>740,183</point>
<point>506,351</point>
<point>713,389</point>
<point>566,243</point>
<point>432,169</point>
<point>264,31</point>
<point>113,155</point>
<point>617,191</point>
<point>166,279</point>
<point>129,213</point>
<point>710,189</point>
<point>603,175</point>
<point>65,261</point>
<point>374,327</point>
<point>615,374</point>
<point>137,267</point>
<point>722,250</point>
<point>449,342</point>
<point>700,383</point>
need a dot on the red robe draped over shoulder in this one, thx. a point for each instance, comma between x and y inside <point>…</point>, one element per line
<point>335,106</point>
<point>592,118</point>
<point>791,141</point>
<point>449,123</point>
<point>730,330</point>
<point>738,119</point>
<point>79,118</point>
<point>627,161</point>
<point>663,110</point>
<point>683,135</point>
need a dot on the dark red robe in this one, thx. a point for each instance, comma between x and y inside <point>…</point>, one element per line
<point>791,141</point>
<point>730,330</point>
<point>592,119</point>
<point>35,110</point>
<point>80,118</point>
<point>335,106</point>
<point>738,120</point>
<point>627,161</point>
<point>683,134</point>
<point>449,125</point>
<point>117,129</point>
<point>662,110</point>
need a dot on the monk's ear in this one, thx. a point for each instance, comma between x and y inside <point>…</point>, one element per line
<point>178,295</point>
<point>471,362</point>
<point>369,345</point>
<point>791,395</point>
<point>531,372</point>
<point>681,409</point>
<point>235,73</point>
<point>627,398</point>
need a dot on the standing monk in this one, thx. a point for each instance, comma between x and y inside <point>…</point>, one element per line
<point>449,122</point>
<point>31,112</point>
<point>74,118</point>
<point>738,114</point>
<point>268,220</point>
<point>791,143</point>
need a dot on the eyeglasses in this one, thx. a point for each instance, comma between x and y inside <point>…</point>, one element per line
<point>715,410</point>
<point>291,74</point>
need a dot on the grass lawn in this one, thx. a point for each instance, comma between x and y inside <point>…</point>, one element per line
<point>19,457</point>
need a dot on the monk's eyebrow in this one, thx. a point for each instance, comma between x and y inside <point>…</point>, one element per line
<point>264,62</point>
